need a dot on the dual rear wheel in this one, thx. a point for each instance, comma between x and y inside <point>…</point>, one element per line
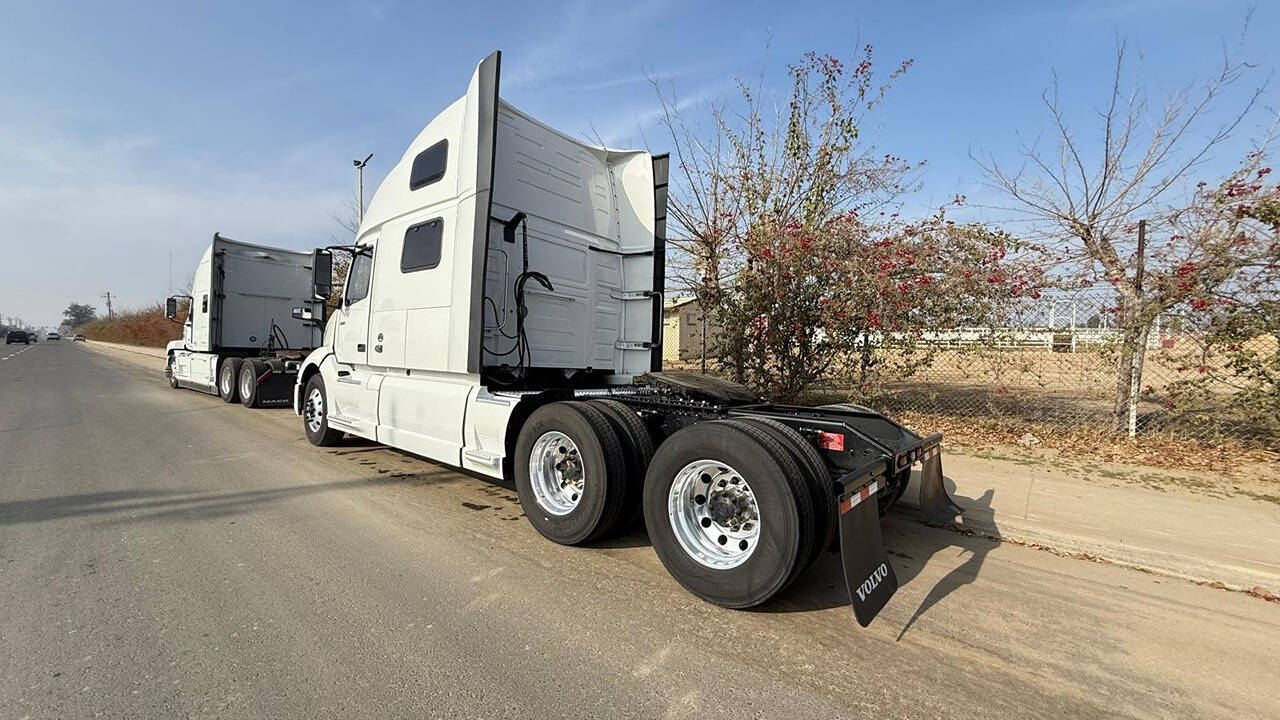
<point>573,473</point>
<point>238,380</point>
<point>735,509</point>
<point>229,379</point>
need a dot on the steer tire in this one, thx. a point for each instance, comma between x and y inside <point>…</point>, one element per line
<point>321,435</point>
<point>556,511</point>
<point>229,379</point>
<point>825,511</point>
<point>786,522</point>
<point>249,371</point>
<point>637,447</point>
<point>168,373</point>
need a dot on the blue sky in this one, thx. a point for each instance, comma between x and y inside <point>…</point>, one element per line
<point>130,132</point>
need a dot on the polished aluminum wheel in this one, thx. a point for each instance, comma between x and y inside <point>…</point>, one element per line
<point>313,410</point>
<point>714,514</point>
<point>228,380</point>
<point>246,384</point>
<point>555,473</point>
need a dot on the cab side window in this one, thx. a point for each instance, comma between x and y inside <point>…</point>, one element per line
<point>358,277</point>
<point>421,249</point>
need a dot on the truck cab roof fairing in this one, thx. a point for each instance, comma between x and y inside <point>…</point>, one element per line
<point>469,126</point>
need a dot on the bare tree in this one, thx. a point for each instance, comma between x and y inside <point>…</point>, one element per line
<point>699,237</point>
<point>1088,194</point>
<point>348,221</point>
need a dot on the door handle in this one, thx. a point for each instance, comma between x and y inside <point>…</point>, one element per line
<point>377,348</point>
<point>360,347</point>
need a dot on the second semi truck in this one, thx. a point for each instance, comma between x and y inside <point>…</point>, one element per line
<point>240,339</point>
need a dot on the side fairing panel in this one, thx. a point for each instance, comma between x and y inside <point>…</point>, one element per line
<point>590,230</point>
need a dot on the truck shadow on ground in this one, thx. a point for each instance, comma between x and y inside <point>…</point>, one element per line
<point>125,506</point>
<point>911,544</point>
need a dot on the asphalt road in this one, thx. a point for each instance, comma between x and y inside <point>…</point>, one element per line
<point>163,554</point>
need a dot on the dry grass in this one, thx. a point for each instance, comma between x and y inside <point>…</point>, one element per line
<point>1152,449</point>
<point>147,327</point>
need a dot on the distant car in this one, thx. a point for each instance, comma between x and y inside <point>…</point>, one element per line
<point>77,338</point>
<point>17,336</point>
<point>52,336</point>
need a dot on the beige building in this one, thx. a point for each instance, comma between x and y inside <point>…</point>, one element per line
<point>683,326</point>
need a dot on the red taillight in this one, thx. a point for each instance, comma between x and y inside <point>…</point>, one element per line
<point>831,441</point>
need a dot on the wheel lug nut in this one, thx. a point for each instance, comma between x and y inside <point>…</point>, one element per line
<point>706,522</point>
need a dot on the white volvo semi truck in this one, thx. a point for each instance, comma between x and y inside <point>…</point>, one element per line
<point>502,314</point>
<point>241,339</point>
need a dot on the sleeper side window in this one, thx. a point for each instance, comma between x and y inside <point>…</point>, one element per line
<point>422,246</point>
<point>429,165</point>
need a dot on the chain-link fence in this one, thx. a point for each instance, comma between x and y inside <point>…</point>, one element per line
<point>1052,361</point>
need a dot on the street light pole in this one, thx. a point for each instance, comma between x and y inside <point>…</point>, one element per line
<point>360,175</point>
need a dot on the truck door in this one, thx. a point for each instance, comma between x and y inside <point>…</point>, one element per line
<point>353,398</point>
<point>352,335</point>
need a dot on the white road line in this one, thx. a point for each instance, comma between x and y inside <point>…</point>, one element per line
<point>6,357</point>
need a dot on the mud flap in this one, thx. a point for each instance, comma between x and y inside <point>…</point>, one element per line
<point>935,503</point>
<point>867,571</point>
<point>276,389</point>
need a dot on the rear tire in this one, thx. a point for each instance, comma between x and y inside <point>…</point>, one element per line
<point>638,447</point>
<point>570,472</point>
<point>818,480</point>
<point>229,379</point>
<point>249,371</point>
<point>315,414</point>
<point>721,554</point>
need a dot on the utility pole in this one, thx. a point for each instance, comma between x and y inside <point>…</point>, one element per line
<point>107,295</point>
<point>1140,351</point>
<point>360,180</point>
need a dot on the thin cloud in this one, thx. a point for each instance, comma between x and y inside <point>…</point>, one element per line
<point>629,127</point>
<point>586,37</point>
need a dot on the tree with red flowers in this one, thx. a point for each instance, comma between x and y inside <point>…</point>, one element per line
<point>900,282</point>
<point>786,234</point>
<point>1227,278</point>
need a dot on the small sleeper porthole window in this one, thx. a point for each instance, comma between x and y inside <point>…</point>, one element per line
<point>429,165</point>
